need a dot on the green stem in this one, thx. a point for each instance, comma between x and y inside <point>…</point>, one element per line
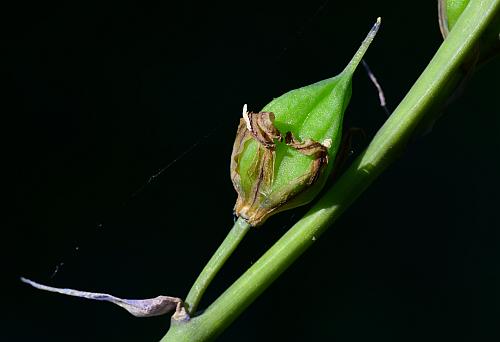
<point>425,96</point>
<point>215,263</point>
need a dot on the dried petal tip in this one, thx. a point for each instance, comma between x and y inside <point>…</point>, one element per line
<point>245,117</point>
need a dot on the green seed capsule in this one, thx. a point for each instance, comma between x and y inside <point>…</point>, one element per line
<point>487,48</point>
<point>449,12</point>
<point>283,155</point>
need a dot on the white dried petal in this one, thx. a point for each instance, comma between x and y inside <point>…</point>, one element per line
<point>138,307</point>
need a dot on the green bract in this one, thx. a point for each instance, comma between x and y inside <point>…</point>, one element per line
<point>283,155</point>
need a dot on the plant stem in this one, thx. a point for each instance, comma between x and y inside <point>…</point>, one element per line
<point>420,103</point>
<point>215,263</point>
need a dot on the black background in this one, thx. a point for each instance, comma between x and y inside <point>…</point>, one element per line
<point>102,96</point>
